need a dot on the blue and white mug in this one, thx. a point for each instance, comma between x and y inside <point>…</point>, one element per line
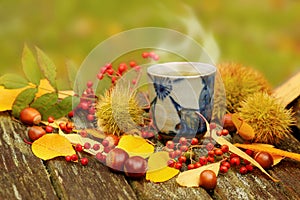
<point>177,90</point>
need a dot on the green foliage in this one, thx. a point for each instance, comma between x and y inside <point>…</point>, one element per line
<point>60,108</point>
<point>30,66</point>
<point>13,81</point>
<point>45,102</point>
<point>23,100</point>
<point>47,66</point>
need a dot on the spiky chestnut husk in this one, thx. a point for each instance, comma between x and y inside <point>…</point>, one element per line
<point>269,119</point>
<point>118,110</point>
<point>240,82</point>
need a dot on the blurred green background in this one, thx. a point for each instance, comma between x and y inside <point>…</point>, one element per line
<point>261,34</point>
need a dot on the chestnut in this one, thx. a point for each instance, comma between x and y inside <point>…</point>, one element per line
<point>35,132</point>
<point>30,116</point>
<point>135,167</point>
<point>208,179</point>
<point>116,158</point>
<point>264,159</point>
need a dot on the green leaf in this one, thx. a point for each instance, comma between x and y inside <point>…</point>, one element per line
<point>30,66</point>
<point>62,108</point>
<point>13,81</point>
<point>23,100</point>
<point>44,103</point>
<point>47,66</point>
<point>72,72</point>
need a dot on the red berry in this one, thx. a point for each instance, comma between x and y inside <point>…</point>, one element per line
<point>170,144</point>
<point>132,63</point>
<point>90,117</point>
<point>235,161</point>
<point>210,159</point>
<point>137,68</point>
<point>62,126</point>
<point>101,157</point>
<point>155,57</point>
<point>84,105</point>
<point>225,148</point>
<point>183,141</point>
<point>113,79</point>
<point>183,148</point>
<point>71,114</point>
<point>87,145</point>
<point>78,147</point>
<point>178,153</point>
<point>225,132</point>
<point>219,132</point>
<point>108,66</point>
<point>223,169</point>
<point>92,110</point>
<point>243,170</point>
<point>122,68</point>
<point>197,165</point>
<point>151,54</point>
<point>89,84</point>
<point>226,164</point>
<point>177,165</point>
<point>249,168</point>
<point>194,141</point>
<point>218,152</point>
<point>233,155</point>
<point>83,133</point>
<point>68,158</point>
<point>246,162</point>
<point>84,161</point>
<point>105,142</point>
<point>172,154</point>
<point>182,159</point>
<point>191,166</point>
<point>212,125</point>
<point>49,129</point>
<point>50,119</point>
<point>145,54</point>
<point>249,152</point>
<point>100,76</point>
<point>171,163</point>
<point>74,157</point>
<point>108,149</point>
<point>210,146</point>
<point>203,160</point>
<point>211,153</point>
<point>96,147</point>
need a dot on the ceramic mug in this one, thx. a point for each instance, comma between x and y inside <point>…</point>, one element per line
<point>177,90</point>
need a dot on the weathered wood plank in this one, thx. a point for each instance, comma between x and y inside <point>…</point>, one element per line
<point>22,175</point>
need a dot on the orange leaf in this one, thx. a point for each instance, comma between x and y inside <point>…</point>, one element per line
<point>243,128</point>
<point>136,146</point>
<point>271,150</point>
<point>191,178</point>
<point>158,170</point>
<point>52,145</point>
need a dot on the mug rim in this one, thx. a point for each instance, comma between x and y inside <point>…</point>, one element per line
<point>212,69</point>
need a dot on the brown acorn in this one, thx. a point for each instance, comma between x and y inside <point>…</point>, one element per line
<point>30,116</point>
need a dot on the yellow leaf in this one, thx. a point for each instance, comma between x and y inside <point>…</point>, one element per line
<point>191,178</point>
<point>276,159</point>
<point>158,170</point>
<point>8,97</point>
<point>242,154</point>
<point>136,146</point>
<point>243,128</point>
<point>271,150</point>
<point>161,175</point>
<point>46,87</point>
<point>52,145</point>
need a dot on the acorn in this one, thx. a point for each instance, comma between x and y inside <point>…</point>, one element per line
<point>30,116</point>
<point>240,82</point>
<point>118,110</point>
<point>270,121</point>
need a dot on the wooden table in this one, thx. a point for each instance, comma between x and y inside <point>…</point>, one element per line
<point>24,176</point>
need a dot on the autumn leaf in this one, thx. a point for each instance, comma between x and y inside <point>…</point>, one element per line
<point>271,150</point>
<point>136,146</point>
<point>158,169</point>
<point>45,87</point>
<point>191,178</point>
<point>45,102</point>
<point>72,72</point>
<point>13,81</point>
<point>30,66</point>
<point>47,66</point>
<point>243,128</point>
<point>52,145</point>
<point>23,100</point>
<point>7,100</point>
